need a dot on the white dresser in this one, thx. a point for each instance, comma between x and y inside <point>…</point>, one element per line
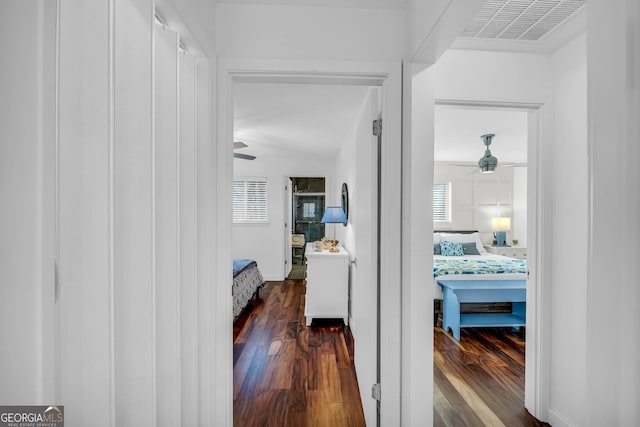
<point>510,251</point>
<point>327,284</point>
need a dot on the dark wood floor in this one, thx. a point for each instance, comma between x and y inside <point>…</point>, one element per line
<point>288,374</point>
<point>479,381</point>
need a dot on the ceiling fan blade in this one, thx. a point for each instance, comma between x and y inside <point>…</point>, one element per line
<point>512,165</point>
<point>239,144</point>
<point>244,156</point>
<point>465,165</point>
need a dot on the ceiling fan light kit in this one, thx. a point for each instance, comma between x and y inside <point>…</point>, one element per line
<point>488,162</point>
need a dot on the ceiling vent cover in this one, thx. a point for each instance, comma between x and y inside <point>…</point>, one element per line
<point>527,20</point>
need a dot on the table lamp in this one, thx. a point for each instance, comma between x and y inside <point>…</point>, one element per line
<point>500,226</point>
<point>334,215</point>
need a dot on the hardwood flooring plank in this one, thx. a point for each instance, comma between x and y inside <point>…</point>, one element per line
<point>342,352</point>
<point>255,372</point>
<point>453,414</point>
<point>474,401</point>
<point>240,369</point>
<point>329,381</point>
<point>298,397</point>
<point>312,369</point>
<point>351,397</point>
<point>302,344</point>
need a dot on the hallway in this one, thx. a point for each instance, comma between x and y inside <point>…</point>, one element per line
<point>288,374</point>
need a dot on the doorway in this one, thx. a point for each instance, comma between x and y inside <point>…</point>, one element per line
<point>513,195</point>
<point>386,79</point>
<point>307,204</point>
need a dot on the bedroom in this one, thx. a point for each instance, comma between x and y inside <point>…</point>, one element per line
<point>315,131</point>
<point>474,340</point>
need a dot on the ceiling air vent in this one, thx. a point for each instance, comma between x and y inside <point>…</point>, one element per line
<point>528,20</point>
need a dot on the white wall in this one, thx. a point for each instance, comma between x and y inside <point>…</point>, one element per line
<point>612,349</point>
<point>568,175</point>
<point>188,235</point>
<point>266,242</point>
<point>106,343</point>
<point>519,206</point>
<point>467,75</point>
<point>167,225</point>
<point>27,217</point>
<point>274,31</point>
<point>417,341</point>
<point>476,198</point>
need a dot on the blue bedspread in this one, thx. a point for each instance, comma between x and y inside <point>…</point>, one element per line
<point>240,264</point>
<point>443,267</point>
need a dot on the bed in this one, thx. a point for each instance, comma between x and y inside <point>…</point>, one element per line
<point>247,280</point>
<point>471,275</point>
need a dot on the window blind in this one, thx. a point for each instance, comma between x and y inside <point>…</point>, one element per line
<point>442,202</point>
<point>250,200</point>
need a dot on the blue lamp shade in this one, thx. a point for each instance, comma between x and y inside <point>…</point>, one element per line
<point>334,215</point>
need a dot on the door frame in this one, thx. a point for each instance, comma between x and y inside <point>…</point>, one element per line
<point>288,227</point>
<point>289,206</point>
<point>386,75</point>
<point>537,369</point>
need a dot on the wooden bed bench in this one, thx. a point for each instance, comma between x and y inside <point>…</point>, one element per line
<point>456,292</point>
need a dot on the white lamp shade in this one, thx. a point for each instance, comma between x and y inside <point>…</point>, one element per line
<point>501,223</point>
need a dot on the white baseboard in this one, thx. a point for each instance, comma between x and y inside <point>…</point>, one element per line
<point>273,278</point>
<point>557,421</point>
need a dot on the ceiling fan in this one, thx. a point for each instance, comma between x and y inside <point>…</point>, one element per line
<point>238,145</point>
<point>488,162</point>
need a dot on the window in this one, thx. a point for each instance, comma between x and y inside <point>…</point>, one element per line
<point>442,202</point>
<point>250,200</point>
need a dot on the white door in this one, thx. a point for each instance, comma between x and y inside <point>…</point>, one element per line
<point>364,280</point>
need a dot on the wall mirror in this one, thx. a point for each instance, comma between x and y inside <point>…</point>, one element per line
<point>345,200</point>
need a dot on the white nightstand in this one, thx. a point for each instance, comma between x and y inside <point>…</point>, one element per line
<point>327,284</point>
<point>510,251</point>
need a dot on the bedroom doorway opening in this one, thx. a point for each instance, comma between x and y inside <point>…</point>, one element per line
<point>305,199</point>
<point>316,172</point>
<point>465,200</point>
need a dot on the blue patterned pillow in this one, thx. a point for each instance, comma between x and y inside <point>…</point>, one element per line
<point>451,249</point>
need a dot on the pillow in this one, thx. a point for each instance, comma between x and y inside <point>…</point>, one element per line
<point>436,249</point>
<point>459,237</point>
<point>469,248</point>
<point>451,248</point>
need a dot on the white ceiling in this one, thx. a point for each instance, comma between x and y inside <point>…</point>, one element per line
<point>368,4</point>
<point>458,131</point>
<point>313,119</point>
